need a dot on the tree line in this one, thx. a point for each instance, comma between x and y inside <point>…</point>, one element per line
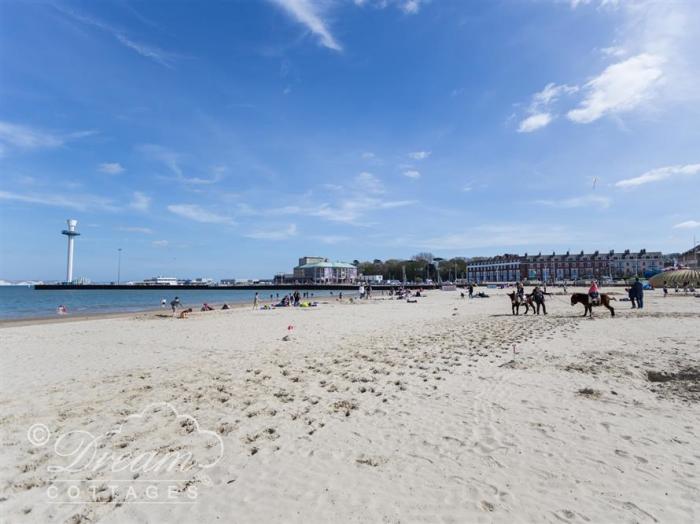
<point>419,268</point>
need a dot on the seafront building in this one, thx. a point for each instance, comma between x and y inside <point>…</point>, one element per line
<point>565,266</point>
<point>319,270</point>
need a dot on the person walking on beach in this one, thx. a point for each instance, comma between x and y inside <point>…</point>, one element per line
<point>471,290</point>
<point>174,304</point>
<point>255,301</point>
<point>665,289</point>
<point>632,297</point>
<point>163,302</point>
<point>638,290</point>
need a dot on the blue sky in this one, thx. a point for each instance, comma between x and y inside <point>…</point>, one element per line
<point>226,139</point>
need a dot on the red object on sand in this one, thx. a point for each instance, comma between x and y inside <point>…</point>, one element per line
<point>290,327</point>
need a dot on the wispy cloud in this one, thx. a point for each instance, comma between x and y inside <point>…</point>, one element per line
<point>110,168</point>
<point>140,202</point>
<point>539,110</point>
<point>274,234</point>
<point>582,201</point>
<point>198,214</point>
<point>369,183</point>
<point>167,157</point>
<point>620,87</point>
<point>135,229</point>
<point>22,137</point>
<point>160,243</point>
<point>419,155</point>
<point>493,235</point>
<point>153,53</point>
<point>77,201</point>
<point>534,122</point>
<point>661,173</point>
<point>309,14</point>
<point>173,162</point>
<point>688,224</point>
<point>411,173</point>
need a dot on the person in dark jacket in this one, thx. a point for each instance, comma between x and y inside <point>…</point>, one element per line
<point>638,292</point>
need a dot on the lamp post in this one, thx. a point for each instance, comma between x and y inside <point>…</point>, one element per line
<point>119,266</point>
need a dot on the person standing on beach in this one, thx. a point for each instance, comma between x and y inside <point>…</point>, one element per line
<point>255,301</point>
<point>471,290</point>
<point>174,304</point>
<point>638,291</point>
<point>163,302</point>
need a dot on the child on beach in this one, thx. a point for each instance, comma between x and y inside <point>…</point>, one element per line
<point>593,292</point>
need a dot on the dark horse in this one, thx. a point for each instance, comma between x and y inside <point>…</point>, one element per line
<point>583,298</point>
<point>516,302</point>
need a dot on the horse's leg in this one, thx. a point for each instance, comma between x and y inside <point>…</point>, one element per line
<point>610,308</point>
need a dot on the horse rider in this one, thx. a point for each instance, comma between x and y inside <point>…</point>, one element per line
<point>520,292</point>
<point>594,293</point>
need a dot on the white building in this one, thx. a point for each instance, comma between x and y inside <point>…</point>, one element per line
<point>160,281</point>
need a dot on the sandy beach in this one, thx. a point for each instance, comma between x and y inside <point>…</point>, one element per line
<point>446,410</point>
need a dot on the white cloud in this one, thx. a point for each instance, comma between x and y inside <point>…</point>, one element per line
<point>614,51</point>
<point>368,155</point>
<point>196,213</point>
<point>410,7</point>
<point>539,109</point>
<point>419,155</point>
<point>620,87</point>
<point>136,229</point>
<point>77,201</point>
<point>688,224</point>
<point>411,173</point>
<point>352,210</point>
<point>111,168</point>
<point>369,183</point>
<point>491,235</point>
<point>21,137</point>
<point>160,243</point>
<point>140,202</point>
<point>467,188</point>
<point>306,12</point>
<point>583,201</point>
<point>274,234</point>
<point>661,173</point>
<point>534,122</point>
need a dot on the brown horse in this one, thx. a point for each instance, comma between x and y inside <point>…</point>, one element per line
<point>583,298</point>
<point>515,303</point>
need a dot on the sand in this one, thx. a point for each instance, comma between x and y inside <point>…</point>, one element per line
<point>448,410</point>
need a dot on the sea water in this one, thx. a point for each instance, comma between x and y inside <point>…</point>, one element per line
<point>22,302</point>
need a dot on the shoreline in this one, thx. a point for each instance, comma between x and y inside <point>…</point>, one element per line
<point>141,313</point>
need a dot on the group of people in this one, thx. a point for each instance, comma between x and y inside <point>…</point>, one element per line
<point>635,294</point>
